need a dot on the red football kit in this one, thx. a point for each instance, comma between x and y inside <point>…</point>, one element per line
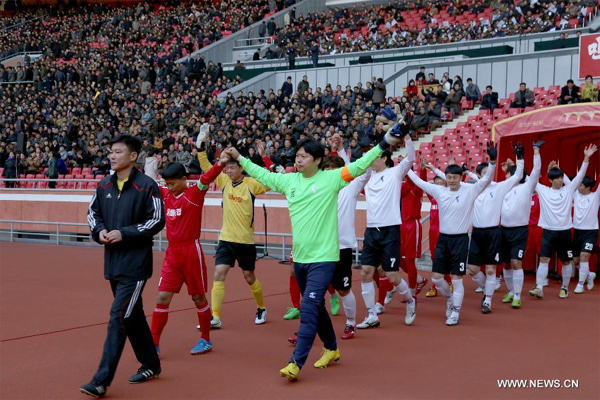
<point>184,259</point>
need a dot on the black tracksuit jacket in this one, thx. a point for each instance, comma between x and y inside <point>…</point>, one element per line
<point>138,213</point>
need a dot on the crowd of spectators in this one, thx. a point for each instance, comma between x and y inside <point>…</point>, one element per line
<point>173,28</point>
<point>377,27</point>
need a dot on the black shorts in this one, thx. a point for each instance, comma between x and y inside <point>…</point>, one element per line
<point>228,253</point>
<point>342,277</point>
<point>485,246</point>
<point>584,241</point>
<point>382,247</point>
<point>514,243</point>
<point>559,241</point>
<point>451,254</point>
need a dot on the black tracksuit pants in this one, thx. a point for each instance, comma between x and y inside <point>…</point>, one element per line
<point>127,320</point>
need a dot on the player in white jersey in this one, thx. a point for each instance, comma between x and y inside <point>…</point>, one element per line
<point>484,248</point>
<point>347,198</point>
<point>585,222</point>
<point>382,236</point>
<point>555,219</point>
<point>455,202</point>
<point>514,217</point>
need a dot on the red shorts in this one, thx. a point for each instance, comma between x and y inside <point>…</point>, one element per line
<point>183,263</point>
<point>434,234</point>
<point>534,240</point>
<point>411,233</point>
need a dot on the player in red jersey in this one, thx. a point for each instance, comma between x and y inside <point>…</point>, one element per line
<point>434,228</point>
<point>184,259</point>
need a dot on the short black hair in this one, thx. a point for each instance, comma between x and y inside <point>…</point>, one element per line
<point>555,173</point>
<point>513,169</point>
<point>589,76</point>
<point>481,167</point>
<point>438,177</point>
<point>312,147</point>
<point>453,169</point>
<point>489,86</point>
<point>469,80</point>
<point>570,81</point>
<point>588,182</point>
<point>523,83</point>
<point>133,144</point>
<point>173,170</point>
<point>388,162</point>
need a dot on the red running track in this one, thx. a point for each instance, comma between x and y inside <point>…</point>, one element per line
<point>54,308</point>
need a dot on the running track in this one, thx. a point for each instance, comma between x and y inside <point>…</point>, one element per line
<point>54,307</point>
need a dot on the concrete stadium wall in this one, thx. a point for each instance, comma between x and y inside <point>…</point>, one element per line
<point>521,45</point>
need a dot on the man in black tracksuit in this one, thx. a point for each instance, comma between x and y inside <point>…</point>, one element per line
<point>124,215</point>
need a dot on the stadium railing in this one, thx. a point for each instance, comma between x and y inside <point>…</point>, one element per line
<point>62,233</point>
<point>521,44</point>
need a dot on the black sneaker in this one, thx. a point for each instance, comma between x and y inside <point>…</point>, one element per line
<point>93,389</point>
<point>143,375</point>
<point>485,308</point>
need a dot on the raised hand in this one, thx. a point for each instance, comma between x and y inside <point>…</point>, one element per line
<point>260,148</point>
<point>538,144</point>
<point>465,168</point>
<point>492,151</point>
<point>552,164</point>
<point>232,153</point>
<point>590,150</point>
<point>519,150</point>
<point>223,159</point>
<point>423,163</point>
<point>202,135</point>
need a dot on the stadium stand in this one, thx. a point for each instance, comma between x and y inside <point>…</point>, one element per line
<point>92,85</point>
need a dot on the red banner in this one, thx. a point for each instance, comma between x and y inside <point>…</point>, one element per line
<point>589,55</point>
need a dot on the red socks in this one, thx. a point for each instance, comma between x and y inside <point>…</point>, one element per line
<point>330,289</point>
<point>204,316</point>
<point>294,292</point>
<point>160,316</point>
<point>448,279</point>
<point>384,287</point>
<point>411,270</point>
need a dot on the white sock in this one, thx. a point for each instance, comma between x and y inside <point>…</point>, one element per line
<point>567,272</point>
<point>403,289</point>
<point>368,294</point>
<point>478,278</point>
<point>458,294</point>
<point>413,292</point>
<point>490,284</point>
<point>442,286</point>
<point>508,278</point>
<point>419,279</point>
<point>349,302</point>
<point>584,270</point>
<point>541,275</point>
<point>518,278</point>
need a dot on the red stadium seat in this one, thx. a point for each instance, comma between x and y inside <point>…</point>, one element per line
<point>92,185</point>
<point>76,171</point>
<point>290,169</point>
<point>86,171</point>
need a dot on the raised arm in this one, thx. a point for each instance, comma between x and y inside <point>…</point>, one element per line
<point>480,185</point>
<point>434,190</point>
<point>408,161</point>
<point>587,152</point>
<point>208,177</point>
<point>277,182</point>
<point>519,151</point>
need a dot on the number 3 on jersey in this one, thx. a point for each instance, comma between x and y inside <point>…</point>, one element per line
<point>462,267</point>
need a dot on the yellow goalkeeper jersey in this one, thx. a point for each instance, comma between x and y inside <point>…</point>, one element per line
<point>238,204</point>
